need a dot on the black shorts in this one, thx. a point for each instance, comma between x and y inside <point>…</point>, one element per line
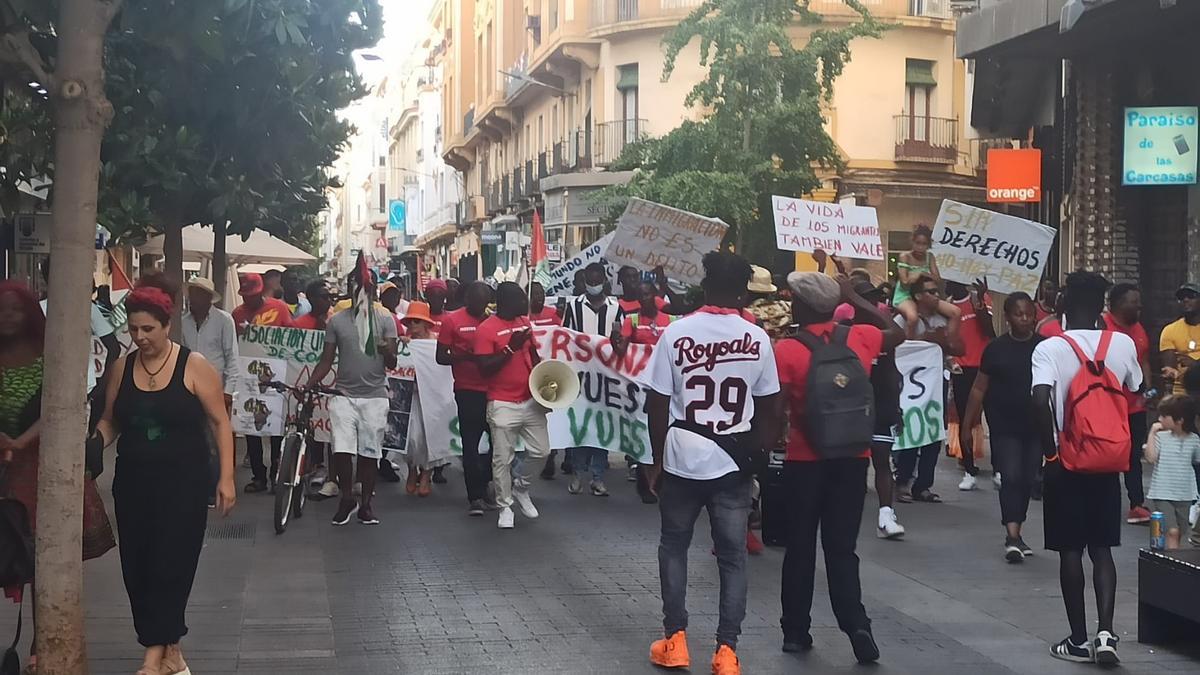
<point>1082,510</point>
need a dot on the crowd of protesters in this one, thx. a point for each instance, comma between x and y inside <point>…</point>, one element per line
<point>805,355</point>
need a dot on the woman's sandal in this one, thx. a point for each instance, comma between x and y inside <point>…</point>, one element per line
<point>927,497</point>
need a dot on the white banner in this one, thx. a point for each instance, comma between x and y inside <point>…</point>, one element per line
<point>840,229</point>
<point>921,405</point>
<point>562,278</point>
<point>610,410</point>
<point>973,243</point>
<point>650,235</point>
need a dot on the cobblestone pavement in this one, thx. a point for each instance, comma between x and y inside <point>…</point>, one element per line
<point>433,591</point>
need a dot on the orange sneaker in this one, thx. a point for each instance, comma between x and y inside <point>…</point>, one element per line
<point>725,662</point>
<point>671,652</point>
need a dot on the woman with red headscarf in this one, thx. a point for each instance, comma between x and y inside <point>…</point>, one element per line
<point>22,329</point>
<point>159,406</point>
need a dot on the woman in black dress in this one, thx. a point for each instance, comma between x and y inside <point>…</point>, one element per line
<point>158,409</point>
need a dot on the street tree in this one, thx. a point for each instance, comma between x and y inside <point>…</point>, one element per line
<point>770,67</point>
<point>74,82</point>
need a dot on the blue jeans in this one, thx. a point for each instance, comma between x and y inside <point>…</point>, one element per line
<point>679,503</point>
<point>590,459</point>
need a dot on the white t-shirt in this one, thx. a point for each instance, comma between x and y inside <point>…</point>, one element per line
<point>1055,363</point>
<point>711,364</point>
<point>100,328</point>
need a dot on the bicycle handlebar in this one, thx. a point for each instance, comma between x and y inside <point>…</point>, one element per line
<point>282,387</point>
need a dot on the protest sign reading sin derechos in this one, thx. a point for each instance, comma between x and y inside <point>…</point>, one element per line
<point>650,235</point>
<point>973,243</point>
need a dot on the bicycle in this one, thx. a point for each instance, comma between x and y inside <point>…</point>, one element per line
<point>293,475</point>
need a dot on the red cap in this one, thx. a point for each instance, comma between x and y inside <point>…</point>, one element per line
<point>251,285</point>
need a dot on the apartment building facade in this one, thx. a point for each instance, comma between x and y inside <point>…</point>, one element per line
<point>540,97</point>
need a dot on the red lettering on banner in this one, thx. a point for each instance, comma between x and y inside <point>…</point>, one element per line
<point>584,348</point>
<point>560,343</point>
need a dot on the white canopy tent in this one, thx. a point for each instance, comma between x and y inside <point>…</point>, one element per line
<point>260,251</point>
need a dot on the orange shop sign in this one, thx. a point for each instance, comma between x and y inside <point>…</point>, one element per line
<point>1014,176</point>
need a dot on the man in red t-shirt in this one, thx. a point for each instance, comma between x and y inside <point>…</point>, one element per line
<point>456,348</point>
<point>506,355</point>
<point>1124,316</point>
<point>976,330</point>
<point>539,313</point>
<point>825,494</point>
<point>257,309</point>
<point>646,325</point>
<point>321,299</point>
<point>436,293</point>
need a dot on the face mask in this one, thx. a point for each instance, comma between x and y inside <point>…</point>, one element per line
<point>594,290</point>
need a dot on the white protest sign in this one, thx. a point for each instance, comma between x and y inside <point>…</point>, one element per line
<point>839,229</point>
<point>562,278</point>
<point>972,243</point>
<point>921,405</point>
<point>650,235</point>
<point>610,410</point>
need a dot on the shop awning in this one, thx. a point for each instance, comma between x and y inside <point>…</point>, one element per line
<point>260,248</point>
<point>919,72</point>
<point>442,232</point>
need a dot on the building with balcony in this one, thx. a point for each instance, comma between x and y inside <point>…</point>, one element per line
<point>546,94</point>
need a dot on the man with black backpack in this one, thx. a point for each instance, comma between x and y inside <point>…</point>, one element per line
<point>1083,422</point>
<point>825,372</point>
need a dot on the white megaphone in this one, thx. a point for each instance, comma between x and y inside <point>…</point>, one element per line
<point>554,384</point>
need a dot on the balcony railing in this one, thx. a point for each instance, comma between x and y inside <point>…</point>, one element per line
<point>937,9</point>
<point>558,161</point>
<point>518,183</point>
<point>926,139</point>
<point>530,176</point>
<point>504,191</point>
<point>543,169</point>
<point>612,137</point>
<point>605,12</point>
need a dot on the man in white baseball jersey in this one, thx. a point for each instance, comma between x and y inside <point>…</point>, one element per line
<point>713,383</point>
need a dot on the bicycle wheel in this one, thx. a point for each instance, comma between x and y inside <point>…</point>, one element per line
<point>300,490</point>
<point>284,488</point>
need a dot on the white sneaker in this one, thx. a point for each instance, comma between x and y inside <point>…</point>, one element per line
<point>329,489</point>
<point>968,483</point>
<point>889,527</point>
<point>319,477</point>
<point>996,479</point>
<point>506,519</point>
<point>1194,514</point>
<point>525,503</point>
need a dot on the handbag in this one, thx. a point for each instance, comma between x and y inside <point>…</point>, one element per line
<point>16,539</point>
<point>98,537</point>
<point>744,448</point>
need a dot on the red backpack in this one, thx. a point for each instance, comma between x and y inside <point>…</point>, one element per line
<point>1095,433</point>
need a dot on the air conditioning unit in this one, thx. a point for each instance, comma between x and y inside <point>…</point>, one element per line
<point>476,209</point>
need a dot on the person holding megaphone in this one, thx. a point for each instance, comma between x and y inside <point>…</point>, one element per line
<point>506,355</point>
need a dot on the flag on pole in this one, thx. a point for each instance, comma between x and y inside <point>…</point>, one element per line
<point>362,287</point>
<point>120,281</point>
<point>538,258</point>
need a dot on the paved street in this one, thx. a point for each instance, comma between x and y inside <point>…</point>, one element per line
<point>431,591</point>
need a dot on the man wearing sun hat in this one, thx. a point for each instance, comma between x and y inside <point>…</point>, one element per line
<point>774,315</point>
<point>209,331</point>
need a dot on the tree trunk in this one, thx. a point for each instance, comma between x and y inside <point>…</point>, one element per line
<point>220,269</point>
<point>81,115</point>
<point>740,243</point>
<point>173,268</point>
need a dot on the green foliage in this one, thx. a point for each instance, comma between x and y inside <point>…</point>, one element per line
<point>224,110</point>
<point>762,132</point>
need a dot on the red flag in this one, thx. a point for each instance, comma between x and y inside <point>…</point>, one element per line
<point>537,252</point>
<point>120,282</point>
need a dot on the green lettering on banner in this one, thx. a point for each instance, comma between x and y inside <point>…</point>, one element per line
<point>603,434</point>
<point>922,426</point>
<point>632,431</point>
<point>455,437</point>
<point>579,430</point>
